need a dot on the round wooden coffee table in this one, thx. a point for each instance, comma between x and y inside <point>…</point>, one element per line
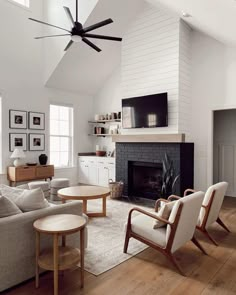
<point>59,257</point>
<point>85,193</point>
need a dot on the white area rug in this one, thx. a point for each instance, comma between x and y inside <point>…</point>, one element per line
<point>106,236</point>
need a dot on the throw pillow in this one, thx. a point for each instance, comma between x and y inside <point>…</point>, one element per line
<point>26,200</point>
<point>164,212</point>
<point>23,186</point>
<point>11,193</point>
<point>8,208</point>
<point>31,200</point>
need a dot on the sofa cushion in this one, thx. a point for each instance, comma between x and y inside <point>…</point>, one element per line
<point>32,200</point>
<point>164,212</point>
<point>8,208</point>
<point>26,200</point>
<point>11,193</point>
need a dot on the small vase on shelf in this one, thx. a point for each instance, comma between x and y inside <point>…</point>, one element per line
<point>43,158</point>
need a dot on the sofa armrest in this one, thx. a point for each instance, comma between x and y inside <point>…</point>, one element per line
<point>17,247</point>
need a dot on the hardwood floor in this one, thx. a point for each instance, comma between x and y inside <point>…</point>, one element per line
<point>150,272</point>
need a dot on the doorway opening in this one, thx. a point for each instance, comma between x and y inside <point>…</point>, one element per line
<point>224,148</point>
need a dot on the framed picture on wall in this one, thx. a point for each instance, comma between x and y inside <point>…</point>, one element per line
<point>36,121</point>
<point>36,142</point>
<point>17,141</point>
<point>17,119</point>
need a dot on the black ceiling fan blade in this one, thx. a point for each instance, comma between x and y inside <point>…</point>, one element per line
<point>102,37</point>
<point>42,37</point>
<point>39,21</point>
<point>68,45</point>
<point>91,44</point>
<point>69,15</point>
<point>98,25</point>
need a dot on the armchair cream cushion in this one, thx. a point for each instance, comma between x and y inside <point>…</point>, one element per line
<point>143,226</point>
<point>187,221</point>
<point>220,190</point>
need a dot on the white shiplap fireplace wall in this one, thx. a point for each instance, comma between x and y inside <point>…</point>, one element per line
<point>155,59</point>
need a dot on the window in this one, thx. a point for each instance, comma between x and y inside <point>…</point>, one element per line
<point>22,2</point>
<point>25,3</point>
<point>61,135</point>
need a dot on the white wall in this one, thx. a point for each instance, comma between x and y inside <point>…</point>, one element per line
<point>208,91</point>
<point>21,80</point>
<point>184,103</point>
<point>106,101</point>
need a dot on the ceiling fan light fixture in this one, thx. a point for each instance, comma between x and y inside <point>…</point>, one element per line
<point>76,38</point>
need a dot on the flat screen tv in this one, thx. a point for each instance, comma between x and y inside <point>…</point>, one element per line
<point>145,111</point>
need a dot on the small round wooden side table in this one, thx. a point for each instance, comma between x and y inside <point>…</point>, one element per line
<point>59,257</point>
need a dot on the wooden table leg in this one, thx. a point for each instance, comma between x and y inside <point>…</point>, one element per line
<point>104,206</point>
<point>56,263</point>
<point>63,243</point>
<point>82,256</point>
<point>85,206</point>
<point>37,245</point>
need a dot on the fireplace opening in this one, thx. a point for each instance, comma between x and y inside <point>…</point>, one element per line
<point>144,179</point>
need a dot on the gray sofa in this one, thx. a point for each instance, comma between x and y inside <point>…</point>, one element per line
<point>17,242</point>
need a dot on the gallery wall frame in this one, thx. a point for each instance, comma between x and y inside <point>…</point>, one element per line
<point>17,119</point>
<point>36,142</point>
<point>17,140</point>
<point>36,121</point>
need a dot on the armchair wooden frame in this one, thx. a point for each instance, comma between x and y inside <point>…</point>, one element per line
<point>207,209</point>
<point>167,250</point>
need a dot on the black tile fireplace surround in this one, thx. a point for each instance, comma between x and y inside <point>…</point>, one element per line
<point>181,153</point>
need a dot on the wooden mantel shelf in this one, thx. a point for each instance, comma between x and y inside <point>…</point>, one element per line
<point>149,138</point>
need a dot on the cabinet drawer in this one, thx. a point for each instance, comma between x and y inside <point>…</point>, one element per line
<point>25,173</point>
<point>44,171</point>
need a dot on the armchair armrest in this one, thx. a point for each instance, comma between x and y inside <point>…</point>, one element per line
<point>157,204</point>
<point>146,213</point>
<point>189,190</point>
<point>173,197</point>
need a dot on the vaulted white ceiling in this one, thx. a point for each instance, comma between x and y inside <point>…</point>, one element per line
<point>84,70</point>
<point>216,18</point>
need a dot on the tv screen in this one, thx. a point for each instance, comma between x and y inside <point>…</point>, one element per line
<point>145,111</point>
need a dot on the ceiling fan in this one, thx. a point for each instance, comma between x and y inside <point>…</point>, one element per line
<point>78,32</point>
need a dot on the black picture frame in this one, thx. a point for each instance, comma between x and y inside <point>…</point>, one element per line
<point>17,119</point>
<point>36,142</point>
<point>36,121</point>
<point>14,137</point>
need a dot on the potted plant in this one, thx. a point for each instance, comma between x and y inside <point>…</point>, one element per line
<point>169,177</point>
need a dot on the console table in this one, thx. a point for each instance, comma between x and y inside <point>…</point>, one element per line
<point>27,173</point>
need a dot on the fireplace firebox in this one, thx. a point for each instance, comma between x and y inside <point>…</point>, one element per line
<point>145,179</point>
<point>154,153</point>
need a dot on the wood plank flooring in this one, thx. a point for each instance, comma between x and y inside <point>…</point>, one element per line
<point>151,273</point>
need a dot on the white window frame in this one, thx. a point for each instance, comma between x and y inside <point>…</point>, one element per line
<point>71,136</point>
<point>24,6</point>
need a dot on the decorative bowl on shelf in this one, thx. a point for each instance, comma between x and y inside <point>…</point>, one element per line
<point>32,164</point>
<point>100,153</point>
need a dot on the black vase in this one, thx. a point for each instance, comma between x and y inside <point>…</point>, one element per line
<point>43,158</point>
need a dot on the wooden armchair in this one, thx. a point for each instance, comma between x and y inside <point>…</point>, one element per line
<point>179,227</point>
<point>210,208</point>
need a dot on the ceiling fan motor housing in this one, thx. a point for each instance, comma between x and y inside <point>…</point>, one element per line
<point>78,29</point>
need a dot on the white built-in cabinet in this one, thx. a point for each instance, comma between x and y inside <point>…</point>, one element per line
<point>96,170</point>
